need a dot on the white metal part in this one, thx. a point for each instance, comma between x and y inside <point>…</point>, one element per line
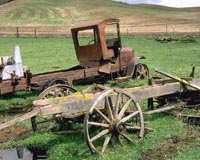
<point>6,60</point>
<point>16,68</point>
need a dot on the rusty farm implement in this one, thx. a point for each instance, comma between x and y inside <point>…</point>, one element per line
<point>109,115</point>
<point>102,54</point>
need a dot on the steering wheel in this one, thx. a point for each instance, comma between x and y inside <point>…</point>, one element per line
<point>91,41</point>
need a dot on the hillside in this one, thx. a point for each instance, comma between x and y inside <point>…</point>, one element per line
<point>67,12</point>
<point>4,1</point>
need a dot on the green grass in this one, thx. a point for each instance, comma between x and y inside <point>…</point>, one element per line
<point>42,54</point>
<point>47,54</point>
<point>176,58</point>
<point>61,147</point>
<point>191,152</point>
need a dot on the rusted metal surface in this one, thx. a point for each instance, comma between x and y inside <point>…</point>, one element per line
<point>105,53</point>
<point>88,53</point>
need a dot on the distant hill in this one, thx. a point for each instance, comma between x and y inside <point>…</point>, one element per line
<point>164,8</point>
<point>4,1</point>
<point>67,12</point>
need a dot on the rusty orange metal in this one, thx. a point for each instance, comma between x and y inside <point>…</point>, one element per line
<point>105,53</point>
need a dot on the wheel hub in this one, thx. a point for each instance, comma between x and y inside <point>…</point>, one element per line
<point>117,127</point>
<point>120,127</point>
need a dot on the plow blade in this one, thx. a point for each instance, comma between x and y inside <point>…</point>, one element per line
<point>19,119</point>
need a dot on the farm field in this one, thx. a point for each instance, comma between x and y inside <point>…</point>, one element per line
<point>49,12</point>
<point>135,19</point>
<point>170,138</point>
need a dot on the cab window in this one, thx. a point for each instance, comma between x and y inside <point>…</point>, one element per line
<point>87,37</point>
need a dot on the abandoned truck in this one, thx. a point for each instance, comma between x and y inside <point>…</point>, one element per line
<point>103,55</point>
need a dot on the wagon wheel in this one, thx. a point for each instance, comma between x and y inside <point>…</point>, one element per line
<point>113,119</point>
<point>54,81</point>
<point>141,71</point>
<point>59,90</point>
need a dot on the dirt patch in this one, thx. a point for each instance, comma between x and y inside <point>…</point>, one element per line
<point>168,148</point>
<point>13,132</point>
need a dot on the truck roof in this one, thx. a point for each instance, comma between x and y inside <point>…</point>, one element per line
<point>86,25</point>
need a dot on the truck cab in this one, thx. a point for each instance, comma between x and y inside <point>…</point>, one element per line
<point>98,44</point>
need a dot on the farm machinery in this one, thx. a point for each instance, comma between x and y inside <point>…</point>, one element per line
<point>102,56</point>
<point>109,115</point>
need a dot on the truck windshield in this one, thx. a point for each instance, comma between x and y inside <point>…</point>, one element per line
<point>112,34</point>
<point>111,31</point>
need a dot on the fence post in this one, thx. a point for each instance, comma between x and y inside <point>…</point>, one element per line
<point>35,33</point>
<point>17,32</point>
<point>166,29</point>
<point>54,32</point>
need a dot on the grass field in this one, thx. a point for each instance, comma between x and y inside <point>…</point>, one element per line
<point>47,54</point>
<point>67,12</point>
<point>170,138</point>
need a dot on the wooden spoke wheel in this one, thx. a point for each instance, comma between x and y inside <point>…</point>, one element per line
<point>54,81</point>
<point>141,71</point>
<point>58,90</point>
<point>113,117</point>
<point>40,123</point>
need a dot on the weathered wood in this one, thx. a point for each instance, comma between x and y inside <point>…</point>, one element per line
<point>39,79</point>
<point>163,109</point>
<point>80,103</point>
<point>178,79</point>
<point>102,87</point>
<point>141,93</point>
<point>10,88</point>
<point>188,115</point>
<point>19,119</point>
<point>69,105</point>
<point>138,128</point>
<point>69,132</point>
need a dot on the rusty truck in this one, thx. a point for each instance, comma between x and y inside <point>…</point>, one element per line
<point>100,54</point>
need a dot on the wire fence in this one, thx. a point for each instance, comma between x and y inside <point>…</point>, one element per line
<point>143,30</point>
<point>163,29</point>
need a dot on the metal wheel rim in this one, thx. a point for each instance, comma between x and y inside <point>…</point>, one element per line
<point>142,71</point>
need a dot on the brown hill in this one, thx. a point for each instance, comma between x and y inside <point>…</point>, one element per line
<point>4,1</point>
